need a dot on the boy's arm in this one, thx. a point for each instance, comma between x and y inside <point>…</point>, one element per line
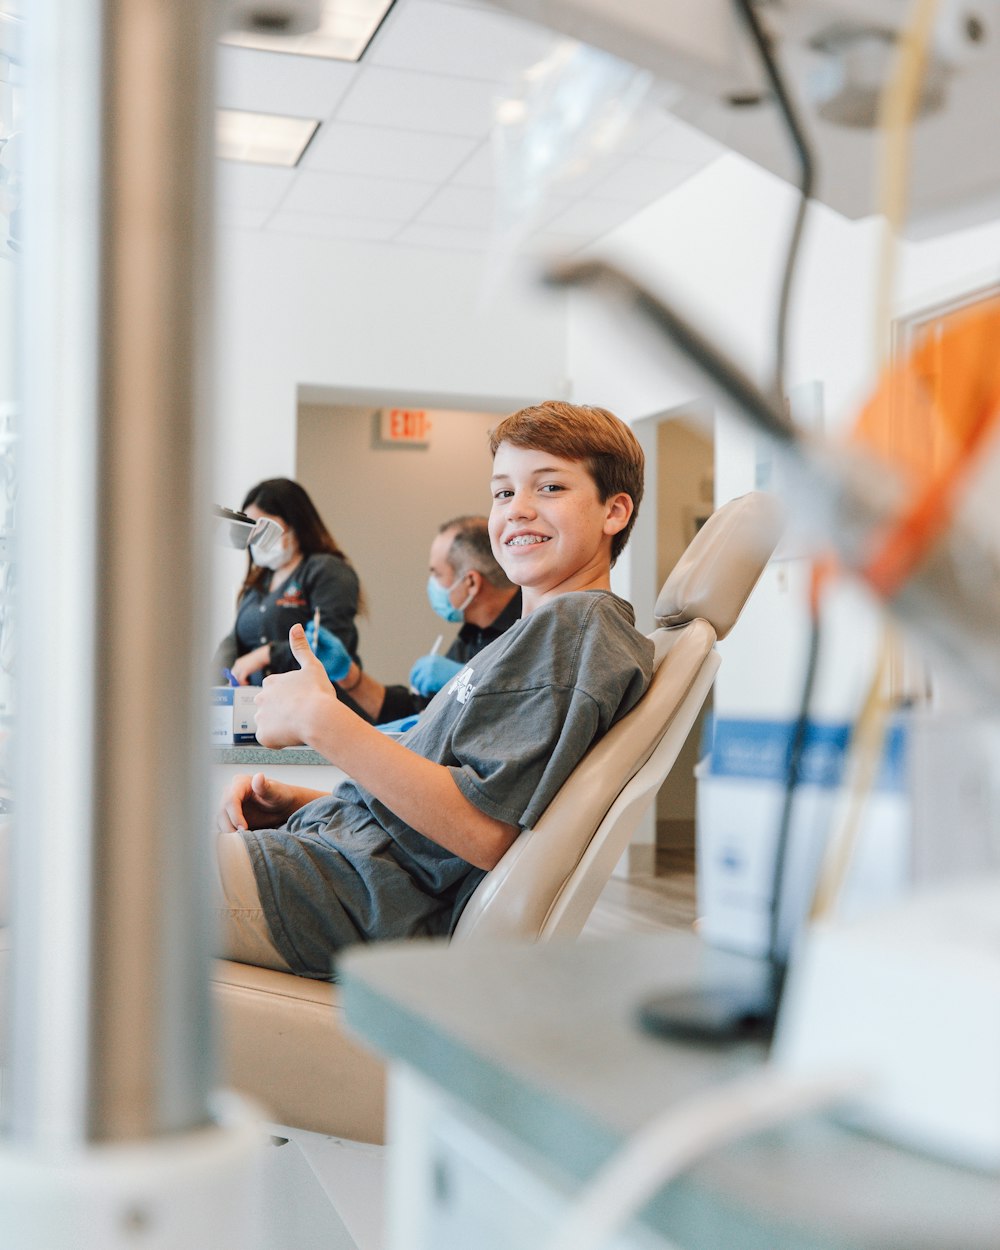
<point>302,707</point>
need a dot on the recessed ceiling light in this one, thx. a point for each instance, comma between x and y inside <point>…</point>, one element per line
<point>262,138</point>
<point>345,31</point>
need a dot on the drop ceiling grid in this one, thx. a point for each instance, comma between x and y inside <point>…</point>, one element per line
<point>404,150</point>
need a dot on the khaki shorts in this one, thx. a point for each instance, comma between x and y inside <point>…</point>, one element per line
<point>244,933</point>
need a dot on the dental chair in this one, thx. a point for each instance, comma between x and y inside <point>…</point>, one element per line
<point>283,1038</point>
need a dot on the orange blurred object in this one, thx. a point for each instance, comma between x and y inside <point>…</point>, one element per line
<point>929,418</point>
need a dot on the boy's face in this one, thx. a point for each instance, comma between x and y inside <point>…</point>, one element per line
<point>549,529</point>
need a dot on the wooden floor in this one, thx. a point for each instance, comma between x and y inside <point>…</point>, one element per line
<point>647,903</point>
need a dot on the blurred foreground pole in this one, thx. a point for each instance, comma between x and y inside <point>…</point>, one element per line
<point>109,1134</point>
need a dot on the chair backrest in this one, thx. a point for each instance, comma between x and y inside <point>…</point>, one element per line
<point>550,878</point>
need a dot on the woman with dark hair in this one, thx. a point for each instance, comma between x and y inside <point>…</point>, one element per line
<point>285,585</point>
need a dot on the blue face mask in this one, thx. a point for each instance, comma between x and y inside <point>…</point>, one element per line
<point>441,603</point>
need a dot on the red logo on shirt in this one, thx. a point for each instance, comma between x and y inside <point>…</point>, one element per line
<point>292,598</point>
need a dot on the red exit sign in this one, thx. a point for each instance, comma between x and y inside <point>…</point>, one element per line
<point>405,425</point>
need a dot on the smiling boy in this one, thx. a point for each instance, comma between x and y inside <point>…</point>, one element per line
<point>398,850</point>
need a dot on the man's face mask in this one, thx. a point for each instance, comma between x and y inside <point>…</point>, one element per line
<point>440,600</point>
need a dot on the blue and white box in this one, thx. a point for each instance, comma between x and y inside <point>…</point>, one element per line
<point>234,715</point>
<point>741,793</point>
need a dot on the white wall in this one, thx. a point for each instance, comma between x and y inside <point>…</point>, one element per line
<point>685,468</point>
<point>368,324</point>
<point>361,324</point>
<point>715,249</point>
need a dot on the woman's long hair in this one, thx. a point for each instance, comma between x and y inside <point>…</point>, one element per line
<point>289,502</point>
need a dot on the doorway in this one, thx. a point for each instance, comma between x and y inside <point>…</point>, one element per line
<point>384,503</point>
<point>685,493</point>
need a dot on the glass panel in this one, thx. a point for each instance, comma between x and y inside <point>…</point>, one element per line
<point>11,158</point>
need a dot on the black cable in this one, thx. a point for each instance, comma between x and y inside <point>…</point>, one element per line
<point>745,1008</point>
<point>777,960</point>
<point>712,362</point>
<point>724,373</point>
<point>740,1014</point>
<point>807,174</point>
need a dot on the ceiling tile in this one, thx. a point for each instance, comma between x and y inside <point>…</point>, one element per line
<point>235,217</point>
<point>590,218</point>
<point>549,206</point>
<point>327,227</point>
<point>678,141</point>
<point>648,121</point>
<point>269,82</point>
<point>550,246</point>
<point>381,199</point>
<point>406,148</point>
<point>578,176</point>
<point>402,100</point>
<point>639,181</point>
<point>460,206</point>
<point>467,43</point>
<point>449,237</point>
<point>259,188</point>
<point>479,170</point>
<point>486,6</point>
<point>376,152</point>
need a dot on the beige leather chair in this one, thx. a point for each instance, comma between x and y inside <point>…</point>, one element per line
<point>283,1038</point>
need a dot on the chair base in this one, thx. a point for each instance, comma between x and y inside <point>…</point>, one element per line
<point>284,1044</point>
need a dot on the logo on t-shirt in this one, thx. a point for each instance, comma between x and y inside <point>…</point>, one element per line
<point>292,598</point>
<point>462,687</point>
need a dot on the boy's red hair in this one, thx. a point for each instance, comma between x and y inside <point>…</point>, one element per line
<point>594,436</point>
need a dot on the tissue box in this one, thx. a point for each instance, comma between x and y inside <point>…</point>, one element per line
<point>234,715</point>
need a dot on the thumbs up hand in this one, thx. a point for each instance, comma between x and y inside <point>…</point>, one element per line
<point>291,705</point>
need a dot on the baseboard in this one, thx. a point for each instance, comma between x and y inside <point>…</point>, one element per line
<point>675,835</point>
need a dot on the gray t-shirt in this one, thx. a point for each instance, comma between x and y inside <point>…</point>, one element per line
<point>510,728</point>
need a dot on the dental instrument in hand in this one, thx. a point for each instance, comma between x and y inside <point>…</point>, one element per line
<point>328,649</point>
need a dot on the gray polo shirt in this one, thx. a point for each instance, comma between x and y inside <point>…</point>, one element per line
<point>510,728</point>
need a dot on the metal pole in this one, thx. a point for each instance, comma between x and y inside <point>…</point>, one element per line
<point>110,1040</point>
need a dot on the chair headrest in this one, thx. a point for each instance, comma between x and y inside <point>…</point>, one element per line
<point>720,567</point>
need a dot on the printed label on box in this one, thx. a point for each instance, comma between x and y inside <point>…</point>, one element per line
<point>245,714</point>
<point>740,797</point>
<point>222,716</point>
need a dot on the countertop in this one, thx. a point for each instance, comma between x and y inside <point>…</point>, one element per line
<point>256,756</point>
<point>542,1040</point>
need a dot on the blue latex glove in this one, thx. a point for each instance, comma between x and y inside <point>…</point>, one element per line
<point>330,651</point>
<point>396,728</point>
<point>431,672</point>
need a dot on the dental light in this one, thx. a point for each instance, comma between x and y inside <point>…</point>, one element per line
<point>834,54</point>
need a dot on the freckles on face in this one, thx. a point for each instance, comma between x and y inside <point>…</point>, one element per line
<point>493,529</point>
<point>546,520</point>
